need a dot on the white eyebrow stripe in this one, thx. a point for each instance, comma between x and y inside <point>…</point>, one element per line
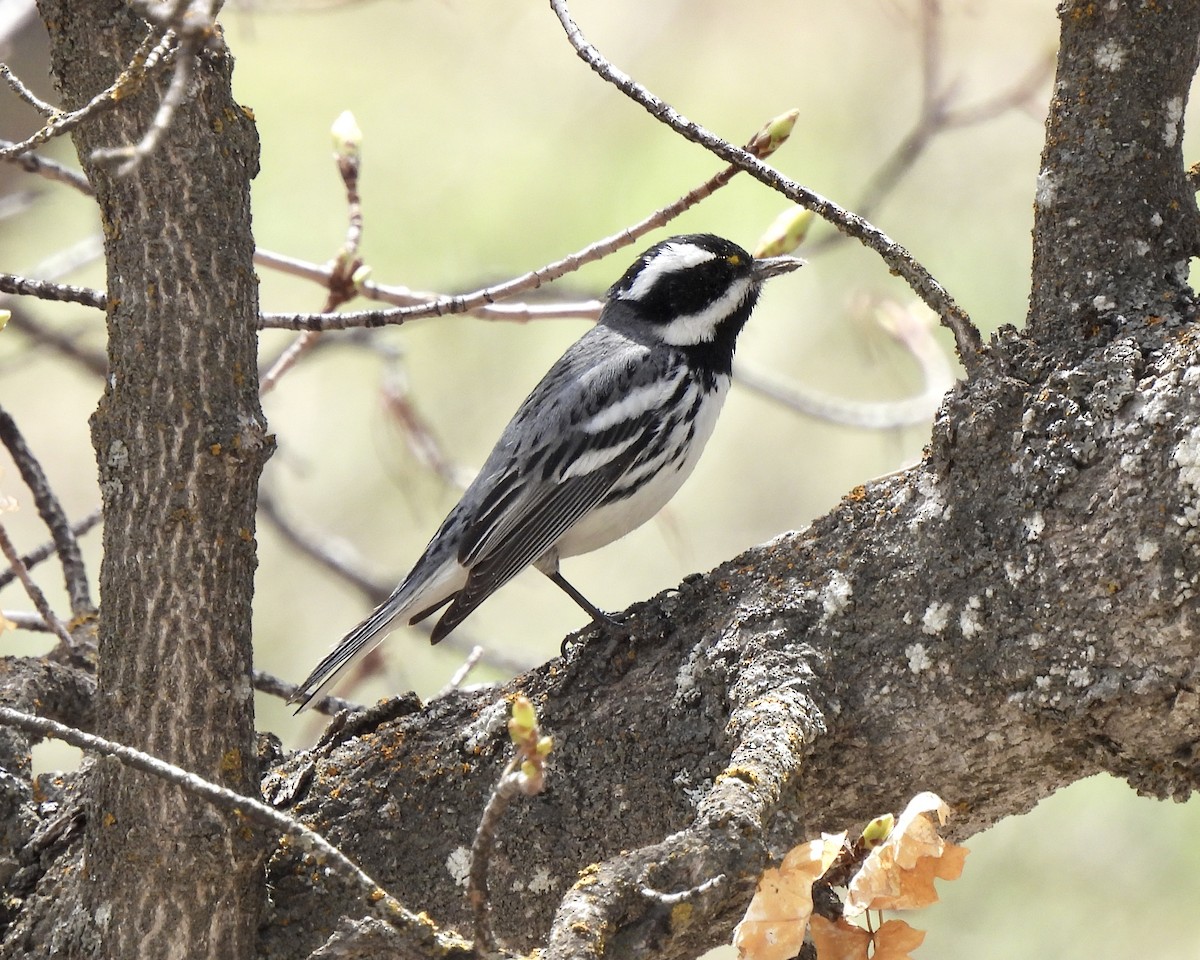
<point>673,257</point>
<point>698,327</point>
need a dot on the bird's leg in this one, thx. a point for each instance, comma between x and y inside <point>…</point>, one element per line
<point>597,615</point>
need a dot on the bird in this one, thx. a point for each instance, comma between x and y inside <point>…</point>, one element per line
<point>606,438</point>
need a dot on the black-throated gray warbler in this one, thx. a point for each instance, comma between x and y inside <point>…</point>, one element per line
<point>602,443</point>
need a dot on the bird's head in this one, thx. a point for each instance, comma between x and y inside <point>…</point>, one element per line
<point>694,292</point>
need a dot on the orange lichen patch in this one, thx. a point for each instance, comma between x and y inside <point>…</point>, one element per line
<point>231,761</point>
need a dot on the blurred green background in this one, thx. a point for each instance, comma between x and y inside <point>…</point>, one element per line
<point>490,149</point>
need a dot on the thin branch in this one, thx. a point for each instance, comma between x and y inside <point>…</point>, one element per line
<point>483,302</point>
<point>1019,94</point>
<point>69,259</point>
<point>461,674</point>
<point>331,554</point>
<point>418,926</point>
<point>502,795</point>
<point>45,167</point>
<point>899,260</point>
<point>147,54</point>
<point>23,620</point>
<point>525,773</point>
<point>44,290</point>
<point>66,345</point>
<point>52,514</point>
<point>912,330</point>
<point>48,549</point>
<point>33,591</point>
<point>405,297</point>
<point>56,265</point>
<point>419,436</point>
<point>344,276</point>
<point>22,91</point>
<point>936,116</point>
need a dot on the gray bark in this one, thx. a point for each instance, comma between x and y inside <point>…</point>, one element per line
<point>180,441</point>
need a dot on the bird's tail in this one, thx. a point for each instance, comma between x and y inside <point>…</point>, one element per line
<point>431,582</point>
<point>350,649</point>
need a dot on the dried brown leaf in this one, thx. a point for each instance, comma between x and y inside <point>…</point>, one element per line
<point>774,924</point>
<point>899,873</point>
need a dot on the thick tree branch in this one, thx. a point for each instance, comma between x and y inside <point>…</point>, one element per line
<point>1115,217</point>
<point>1010,616</point>
<point>922,626</point>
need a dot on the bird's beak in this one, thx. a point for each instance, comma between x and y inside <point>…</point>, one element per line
<point>767,267</point>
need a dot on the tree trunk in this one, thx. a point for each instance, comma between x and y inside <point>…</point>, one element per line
<point>180,441</point>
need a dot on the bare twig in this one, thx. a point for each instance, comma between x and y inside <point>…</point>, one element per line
<point>126,83</point>
<point>405,297</point>
<point>333,555</point>
<point>912,330</point>
<point>23,620</point>
<point>188,24</point>
<point>50,169</point>
<point>483,302</point>
<point>418,926</point>
<point>48,549</point>
<point>69,259</point>
<point>52,514</point>
<point>461,674</point>
<point>523,774</point>
<point>44,290</point>
<point>33,591</point>
<point>22,91</point>
<point>897,259</point>
<point>60,263</point>
<point>66,345</point>
<point>419,436</point>
<point>937,115</point>
<point>344,277</point>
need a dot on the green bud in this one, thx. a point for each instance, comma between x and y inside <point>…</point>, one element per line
<point>347,137</point>
<point>785,233</point>
<point>877,831</point>
<point>773,136</point>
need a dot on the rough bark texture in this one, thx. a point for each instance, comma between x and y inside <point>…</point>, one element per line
<point>180,442</point>
<point>1011,615</point>
<point>1115,217</point>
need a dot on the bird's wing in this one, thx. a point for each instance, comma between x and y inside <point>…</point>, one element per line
<point>604,421</point>
<point>524,528</point>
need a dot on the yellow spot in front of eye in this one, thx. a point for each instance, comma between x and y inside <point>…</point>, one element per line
<point>734,260</point>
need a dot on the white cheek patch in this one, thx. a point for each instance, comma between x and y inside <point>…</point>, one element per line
<point>670,259</point>
<point>700,327</point>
